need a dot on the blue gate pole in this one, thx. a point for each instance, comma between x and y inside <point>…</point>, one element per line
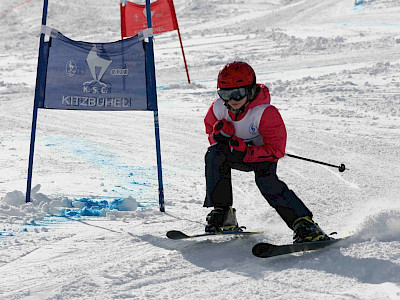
<point>158,149</point>
<point>152,77</point>
<point>35,111</point>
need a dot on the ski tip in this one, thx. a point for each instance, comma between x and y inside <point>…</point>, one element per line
<point>176,235</point>
<point>262,249</point>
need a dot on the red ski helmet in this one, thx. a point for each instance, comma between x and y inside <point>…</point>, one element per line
<point>236,74</point>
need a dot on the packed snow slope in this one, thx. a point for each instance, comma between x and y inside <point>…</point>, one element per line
<point>93,229</point>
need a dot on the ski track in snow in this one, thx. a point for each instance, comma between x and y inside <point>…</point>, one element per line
<point>333,70</point>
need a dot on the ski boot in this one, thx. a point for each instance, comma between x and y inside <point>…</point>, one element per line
<point>222,219</point>
<point>306,230</point>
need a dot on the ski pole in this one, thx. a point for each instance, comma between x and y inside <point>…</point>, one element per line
<point>341,168</point>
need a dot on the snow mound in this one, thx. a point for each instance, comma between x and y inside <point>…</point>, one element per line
<point>15,198</point>
<point>14,208</point>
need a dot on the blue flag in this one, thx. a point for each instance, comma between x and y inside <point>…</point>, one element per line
<point>94,76</point>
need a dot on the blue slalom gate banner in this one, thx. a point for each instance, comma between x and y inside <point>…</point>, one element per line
<point>75,75</point>
<point>94,76</point>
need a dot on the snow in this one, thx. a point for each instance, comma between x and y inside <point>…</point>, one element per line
<point>94,230</point>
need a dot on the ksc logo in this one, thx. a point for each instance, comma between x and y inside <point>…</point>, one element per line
<point>95,62</point>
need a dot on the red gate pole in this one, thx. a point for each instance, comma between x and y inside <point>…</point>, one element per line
<point>183,54</point>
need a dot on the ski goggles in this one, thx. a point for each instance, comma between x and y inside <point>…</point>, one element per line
<point>236,94</point>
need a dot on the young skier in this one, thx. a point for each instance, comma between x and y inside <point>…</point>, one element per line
<point>246,133</point>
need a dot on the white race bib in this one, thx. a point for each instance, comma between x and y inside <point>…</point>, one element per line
<point>248,127</point>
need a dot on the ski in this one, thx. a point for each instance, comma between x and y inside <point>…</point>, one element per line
<point>179,235</point>
<point>265,250</point>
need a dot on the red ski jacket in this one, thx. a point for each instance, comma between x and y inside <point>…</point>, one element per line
<point>263,121</point>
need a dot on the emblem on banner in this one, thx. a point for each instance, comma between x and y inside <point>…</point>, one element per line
<point>119,72</point>
<point>95,62</point>
<point>71,68</point>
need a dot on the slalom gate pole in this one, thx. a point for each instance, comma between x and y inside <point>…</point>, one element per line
<point>151,68</point>
<point>35,110</point>
<point>159,167</point>
<point>183,54</point>
<point>341,168</point>
<point>122,17</point>
<point>172,8</point>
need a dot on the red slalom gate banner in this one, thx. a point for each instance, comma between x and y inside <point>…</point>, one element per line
<point>134,20</point>
<point>133,17</point>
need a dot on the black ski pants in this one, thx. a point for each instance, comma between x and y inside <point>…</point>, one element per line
<point>219,163</point>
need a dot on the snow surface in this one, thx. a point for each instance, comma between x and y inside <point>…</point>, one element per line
<point>94,231</point>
